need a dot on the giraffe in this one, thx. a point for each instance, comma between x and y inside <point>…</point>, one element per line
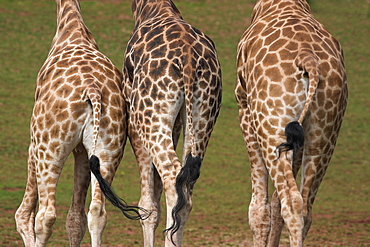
<point>79,108</point>
<point>173,81</point>
<point>291,84</point>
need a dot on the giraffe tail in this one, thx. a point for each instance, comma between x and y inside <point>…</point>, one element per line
<point>190,171</point>
<point>186,179</point>
<point>294,132</point>
<point>131,212</point>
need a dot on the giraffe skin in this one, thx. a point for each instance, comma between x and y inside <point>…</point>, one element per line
<point>291,84</point>
<point>79,108</point>
<point>173,81</point>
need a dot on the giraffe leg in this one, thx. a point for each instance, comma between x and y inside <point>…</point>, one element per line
<point>290,198</point>
<point>314,168</point>
<point>109,160</point>
<point>315,163</point>
<point>183,213</point>
<point>259,208</point>
<point>282,175</point>
<point>97,215</point>
<point>76,218</point>
<point>168,167</point>
<point>277,221</point>
<point>46,215</point>
<point>196,138</point>
<point>25,215</point>
<point>321,134</point>
<point>151,189</point>
<point>160,147</point>
<point>153,180</point>
<point>168,177</point>
<point>151,202</point>
<point>108,154</point>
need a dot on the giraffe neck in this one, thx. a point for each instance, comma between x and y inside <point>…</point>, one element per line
<point>148,9</point>
<point>264,7</point>
<point>71,29</point>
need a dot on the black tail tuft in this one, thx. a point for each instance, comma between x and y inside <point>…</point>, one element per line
<point>185,181</point>
<point>131,212</point>
<point>294,137</point>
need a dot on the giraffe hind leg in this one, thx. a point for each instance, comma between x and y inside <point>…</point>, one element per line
<point>25,214</point>
<point>97,216</point>
<point>131,212</point>
<point>151,188</point>
<point>46,215</point>
<point>259,207</point>
<point>290,198</point>
<point>151,191</point>
<point>193,152</point>
<point>76,218</point>
<point>185,179</point>
<point>277,221</point>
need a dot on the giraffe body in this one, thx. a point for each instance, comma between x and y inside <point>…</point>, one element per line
<point>291,78</point>
<point>78,108</point>
<point>173,79</point>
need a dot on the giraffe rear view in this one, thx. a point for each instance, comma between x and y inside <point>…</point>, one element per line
<point>173,79</point>
<point>78,108</point>
<point>292,95</point>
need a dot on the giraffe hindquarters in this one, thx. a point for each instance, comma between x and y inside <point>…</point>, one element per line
<point>25,214</point>
<point>76,218</point>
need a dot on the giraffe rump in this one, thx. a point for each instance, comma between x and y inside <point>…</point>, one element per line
<point>307,61</point>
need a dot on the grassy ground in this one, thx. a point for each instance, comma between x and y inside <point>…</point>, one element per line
<point>222,194</point>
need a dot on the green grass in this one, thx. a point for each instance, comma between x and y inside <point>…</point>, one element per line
<point>222,194</point>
